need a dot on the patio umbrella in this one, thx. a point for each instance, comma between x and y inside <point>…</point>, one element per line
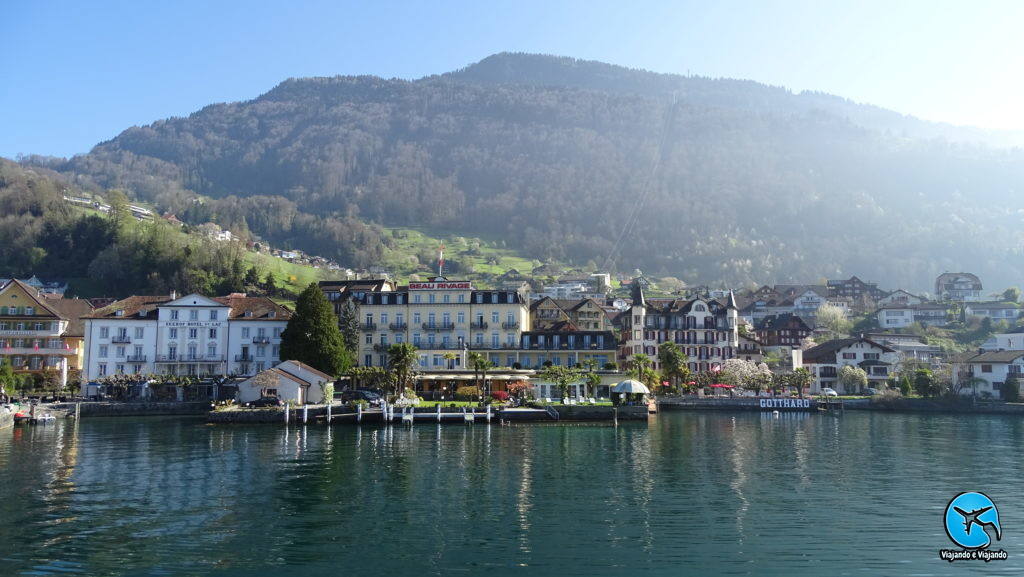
<point>631,387</point>
<point>721,386</point>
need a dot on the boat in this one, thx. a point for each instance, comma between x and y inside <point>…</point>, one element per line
<point>45,418</point>
<point>21,417</point>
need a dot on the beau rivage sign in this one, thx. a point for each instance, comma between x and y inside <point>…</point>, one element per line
<point>440,285</point>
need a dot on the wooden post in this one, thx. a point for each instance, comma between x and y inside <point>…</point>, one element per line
<point>305,414</point>
<point>439,412</point>
<point>488,413</point>
<point>286,407</point>
<point>359,413</point>
<point>329,412</point>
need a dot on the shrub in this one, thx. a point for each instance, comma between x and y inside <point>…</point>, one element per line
<point>611,366</point>
<point>467,393</point>
<point>499,396</point>
<point>1011,390</point>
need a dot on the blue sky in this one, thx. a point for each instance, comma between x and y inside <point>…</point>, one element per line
<point>78,73</point>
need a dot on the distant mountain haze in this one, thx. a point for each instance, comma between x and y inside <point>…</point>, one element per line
<point>714,181</point>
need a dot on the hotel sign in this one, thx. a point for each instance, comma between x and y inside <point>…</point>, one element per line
<point>440,286</point>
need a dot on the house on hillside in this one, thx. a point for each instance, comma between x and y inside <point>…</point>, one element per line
<point>900,297</point>
<point>824,362</point>
<point>958,287</point>
<point>1000,311</point>
<point>861,294</point>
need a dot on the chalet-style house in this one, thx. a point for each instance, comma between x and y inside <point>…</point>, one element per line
<point>785,330</point>
<point>958,287</point>
<point>895,316</point>
<point>40,336</point>
<point>824,362</point>
<point>579,314</point>
<point>861,294</point>
<point>900,297</point>
<point>985,374</point>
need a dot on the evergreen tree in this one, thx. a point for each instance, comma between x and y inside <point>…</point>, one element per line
<point>350,325</point>
<point>312,334</point>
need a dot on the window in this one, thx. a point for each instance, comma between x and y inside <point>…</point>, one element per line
<point>849,356</point>
<point>494,316</point>
<point>174,315</point>
<point>275,351</point>
<point>104,332</point>
<point>103,370</point>
<point>461,317</point>
<point>213,333</point>
<point>261,351</point>
<point>172,333</point>
<point>119,352</point>
<point>870,356</point>
<point>369,338</point>
<point>986,368</point>
<point>213,315</point>
<point>193,315</point>
<point>193,333</point>
<point>103,352</point>
<point>139,332</point>
<point>211,351</point>
<point>446,298</point>
<point>277,332</point>
<point>416,318</point>
<point>245,332</point>
<point>172,353</point>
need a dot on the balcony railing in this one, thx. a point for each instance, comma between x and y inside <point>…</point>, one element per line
<point>120,339</point>
<point>190,359</point>
<point>438,327</point>
<point>478,325</point>
<point>243,358</point>
<point>510,325</point>
<point>136,358</point>
<point>398,326</point>
<point>261,340</point>
<point>368,326</point>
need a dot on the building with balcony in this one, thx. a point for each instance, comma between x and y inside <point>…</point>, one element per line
<point>39,336</point>
<point>704,329</point>
<point>443,319</point>
<point>189,336</point>
<point>825,360</point>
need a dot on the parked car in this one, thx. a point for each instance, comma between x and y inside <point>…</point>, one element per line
<point>829,392</point>
<point>371,398</point>
<point>267,402</point>
<point>872,391</point>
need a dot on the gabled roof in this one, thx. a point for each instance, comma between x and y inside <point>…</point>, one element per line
<point>32,293</point>
<point>996,357</point>
<point>260,307</point>
<point>825,351</point>
<point>782,322</point>
<point>301,365</point>
<point>130,307</point>
<point>73,310</point>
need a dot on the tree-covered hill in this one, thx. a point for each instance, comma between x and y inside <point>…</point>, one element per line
<point>709,180</point>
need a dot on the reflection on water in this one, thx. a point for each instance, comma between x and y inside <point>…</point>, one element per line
<point>715,493</point>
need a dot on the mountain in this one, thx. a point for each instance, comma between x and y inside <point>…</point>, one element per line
<point>710,180</point>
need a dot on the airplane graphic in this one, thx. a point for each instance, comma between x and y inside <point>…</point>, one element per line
<point>972,519</point>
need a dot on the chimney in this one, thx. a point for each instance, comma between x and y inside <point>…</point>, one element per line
<point>174,294</point>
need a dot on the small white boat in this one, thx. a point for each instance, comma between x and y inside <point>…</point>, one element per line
<point>45,418</point>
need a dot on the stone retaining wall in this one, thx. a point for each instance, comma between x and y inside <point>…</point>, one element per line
<point>145,409</point>
<point>6,419</point>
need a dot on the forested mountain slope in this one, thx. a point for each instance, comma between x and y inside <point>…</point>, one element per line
<point>708,180</point>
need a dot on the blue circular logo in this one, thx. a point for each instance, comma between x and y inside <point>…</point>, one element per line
<point>968,516</point>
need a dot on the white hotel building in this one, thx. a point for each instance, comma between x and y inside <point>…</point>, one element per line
<point>192,335</point>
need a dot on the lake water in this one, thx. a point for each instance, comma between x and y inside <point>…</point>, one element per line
<point>690,493</point>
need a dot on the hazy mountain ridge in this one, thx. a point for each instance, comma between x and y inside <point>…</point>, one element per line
<point>714,180</point>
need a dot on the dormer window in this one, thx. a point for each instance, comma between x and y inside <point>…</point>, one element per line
<point>119,313</point>
<point>272,314</point>
<point>248,314</point>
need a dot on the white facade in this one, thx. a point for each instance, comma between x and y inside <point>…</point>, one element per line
<point>292,381</point>
<point>192,335</point>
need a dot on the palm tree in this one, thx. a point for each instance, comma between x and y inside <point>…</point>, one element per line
<point>402,363</point>
<point>481,364</point>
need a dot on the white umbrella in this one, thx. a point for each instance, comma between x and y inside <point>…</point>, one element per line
<point>632,387</point>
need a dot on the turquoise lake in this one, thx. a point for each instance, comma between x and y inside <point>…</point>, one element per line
<point>689,493</point>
